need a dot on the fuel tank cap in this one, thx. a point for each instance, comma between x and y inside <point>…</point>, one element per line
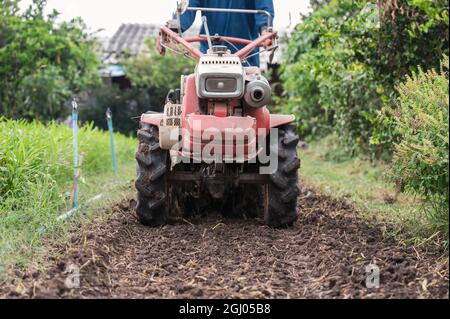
<point>219,49</point>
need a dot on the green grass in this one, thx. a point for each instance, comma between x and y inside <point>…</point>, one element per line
<point>325,167</point>
<point>35,184</point>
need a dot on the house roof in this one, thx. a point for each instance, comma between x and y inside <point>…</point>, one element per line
<point>131,38</point>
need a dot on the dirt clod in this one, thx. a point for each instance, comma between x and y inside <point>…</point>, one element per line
<point>324,255</point>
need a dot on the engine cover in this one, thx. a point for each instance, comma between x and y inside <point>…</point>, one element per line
<point>220,77</point>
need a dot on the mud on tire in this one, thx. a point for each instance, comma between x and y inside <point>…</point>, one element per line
<point>151,160</point>
<point>283,186</point>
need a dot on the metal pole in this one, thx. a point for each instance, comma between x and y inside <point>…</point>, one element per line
<point>208,35</point>
<point>111,136</point>
<point>75,202</point>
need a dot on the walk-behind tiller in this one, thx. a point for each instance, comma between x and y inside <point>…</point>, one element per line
<point>216,147</point>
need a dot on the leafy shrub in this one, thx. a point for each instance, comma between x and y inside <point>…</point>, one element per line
<point>42,62</point>
<point>126,107</point>
<point>158,73</point>
<point>420,119</point>
<point>332,84</point>
<point>344,61</point>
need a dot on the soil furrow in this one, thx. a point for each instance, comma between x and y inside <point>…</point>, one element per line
<point>324,255</point>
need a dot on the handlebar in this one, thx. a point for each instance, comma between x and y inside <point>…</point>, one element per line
<point>169,39</point>
<point>219,39</point>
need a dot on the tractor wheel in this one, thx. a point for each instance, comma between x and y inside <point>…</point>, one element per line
<point>151,160</point>
<point>283,186</point>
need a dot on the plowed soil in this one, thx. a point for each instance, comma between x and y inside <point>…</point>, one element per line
<point>324,255</point>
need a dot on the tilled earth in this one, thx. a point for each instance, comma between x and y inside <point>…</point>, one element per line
<point>324,255</point>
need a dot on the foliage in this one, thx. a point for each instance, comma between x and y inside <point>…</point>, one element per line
<point>42,63</point>
<point>157,73</point>
<point>33,154</point>
<point>315,4</point>
<point>420,119</point>
<point>412,33</point>
<point>36,169</point>
<point>329,74</point>
<point>126,107</point>
<point>344,60</point>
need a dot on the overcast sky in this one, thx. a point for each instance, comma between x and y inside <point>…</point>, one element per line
<point>109,14</point>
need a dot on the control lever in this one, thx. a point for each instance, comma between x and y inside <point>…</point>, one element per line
<point>208,35</point>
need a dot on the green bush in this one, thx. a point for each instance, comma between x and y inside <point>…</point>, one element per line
<point>344,61</point>
<point>42,62</point>
<point>332,84</point>
<point>420,120</point>
<point>157,73</point>
<point>126,107</point>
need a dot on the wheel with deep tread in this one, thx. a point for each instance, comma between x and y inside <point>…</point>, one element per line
<point>151,181</point>
<point>283,186</point>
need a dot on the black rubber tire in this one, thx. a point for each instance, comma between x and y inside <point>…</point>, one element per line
<point>151,181</point>
<point>283,186</point>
